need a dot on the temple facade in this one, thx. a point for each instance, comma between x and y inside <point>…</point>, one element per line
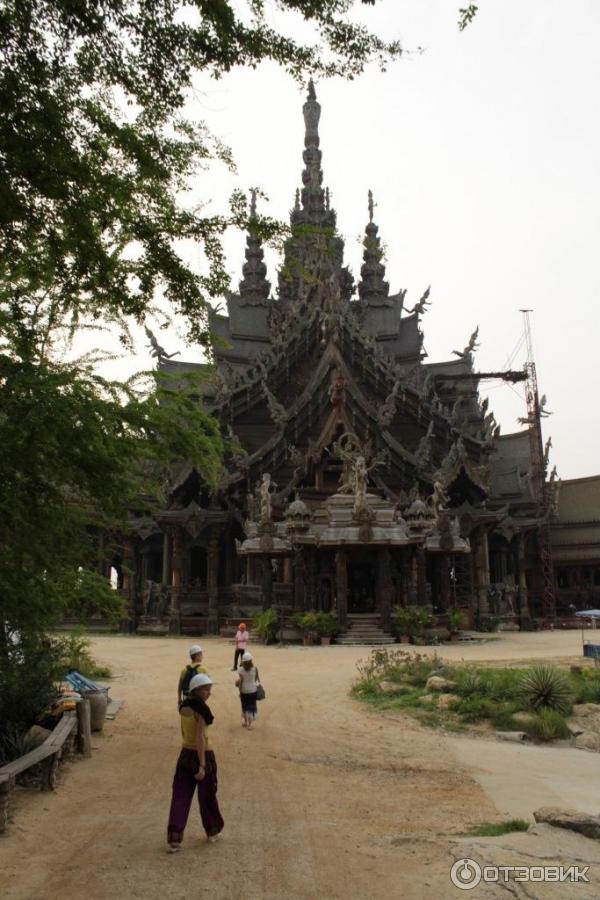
<point>359,475</point>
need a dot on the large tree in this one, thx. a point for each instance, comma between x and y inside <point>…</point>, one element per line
<point>94,157</point>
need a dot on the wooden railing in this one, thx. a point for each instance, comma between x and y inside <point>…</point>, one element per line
<point>59,744</point>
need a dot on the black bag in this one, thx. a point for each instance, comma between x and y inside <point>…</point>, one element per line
<point>260,692</point>
<point>185,681</point>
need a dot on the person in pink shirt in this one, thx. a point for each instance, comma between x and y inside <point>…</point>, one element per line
<point>241,639</point>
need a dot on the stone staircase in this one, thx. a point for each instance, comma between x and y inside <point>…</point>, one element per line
<point>364,628</point>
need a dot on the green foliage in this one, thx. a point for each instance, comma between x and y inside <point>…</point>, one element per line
<point>586,686</point>
<point>456,619</point>
<point>466,15</point>
<point>327,624</point>
<point>77,453</point>
<point>547,725</point>
<point>494,829</point>
<point>487,623</point>
<point>75,653</point>
<point>411,620</point>
<point>395,665</point>
<point>546,687</point>
<point>306,622</point>
<point>266,624</point>
<point>30,665</point>
<point>95,153</point>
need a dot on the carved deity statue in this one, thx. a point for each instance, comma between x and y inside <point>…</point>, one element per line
<point>439,498</point>
<point>361,478</point>
<point>265,491</point>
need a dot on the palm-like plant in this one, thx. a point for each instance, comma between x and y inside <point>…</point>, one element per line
<point>545,687</point>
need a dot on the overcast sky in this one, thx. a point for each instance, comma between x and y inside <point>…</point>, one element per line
<point>483,154</point>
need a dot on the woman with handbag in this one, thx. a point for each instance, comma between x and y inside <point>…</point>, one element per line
<point>249,683</point>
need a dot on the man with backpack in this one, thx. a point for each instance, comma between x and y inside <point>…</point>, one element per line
<point>194,667</point>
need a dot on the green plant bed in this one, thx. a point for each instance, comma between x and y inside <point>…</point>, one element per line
<point>482,694</point>
<point>494,829</point>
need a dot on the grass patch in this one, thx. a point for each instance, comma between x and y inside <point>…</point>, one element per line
<point>493,829</point>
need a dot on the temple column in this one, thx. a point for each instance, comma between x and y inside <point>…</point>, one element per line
<point>127,623</point>
<point>341,586</point>
<point>482,572</point>
<point>166,559</point>
<point>525,615</point>
<point>407,571</point>
<point>212,585</point>
<point>384,586</point>
<point>298,572</point>
<point>267,582</point>
<point>287,570</point>
<point>177,563</point>
<point>443,581</point>
<point>421,567</point>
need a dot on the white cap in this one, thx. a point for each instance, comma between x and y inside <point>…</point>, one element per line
<point>195,648</point>
<point>247,657</point>
<point>199,680</point>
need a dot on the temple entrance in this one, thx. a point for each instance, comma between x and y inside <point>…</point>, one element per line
<point>361,587</point>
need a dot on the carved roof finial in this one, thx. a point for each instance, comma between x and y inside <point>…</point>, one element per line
<point>311,95</point>
<point>372,288</point>
<point>254,287</point>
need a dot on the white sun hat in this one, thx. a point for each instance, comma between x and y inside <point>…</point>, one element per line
<point>195,648</point>
<point>200,680</point>
<point>247,657</point>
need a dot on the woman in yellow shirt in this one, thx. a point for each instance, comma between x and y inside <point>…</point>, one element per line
<point>196,767</point>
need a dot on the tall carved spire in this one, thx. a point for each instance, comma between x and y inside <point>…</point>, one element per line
<point>314,209</point>
<point>254,287</point>
<point>372,288</point>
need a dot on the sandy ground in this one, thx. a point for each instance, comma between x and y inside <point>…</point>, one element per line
<point>324,799</point>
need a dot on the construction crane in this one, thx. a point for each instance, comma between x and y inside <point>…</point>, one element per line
<point>535,411</point>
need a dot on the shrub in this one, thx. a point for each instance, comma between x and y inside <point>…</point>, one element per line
<point>547,725</point>
<point>487,623</point>
<point>546,687</point>
<point>411,620</point>
<point>30,666</point>
<point>396,665</point>
<point>587,686</point>
<point>266,624</point>
<point>326,624</point>
<point>468,682</point>
<point>75,653</point>
<point>456,620</point>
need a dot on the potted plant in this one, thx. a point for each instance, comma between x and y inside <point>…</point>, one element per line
<point>402,623</point>
<point>410,623</point>
<point>306,622</point>
<point>456,621</point>
<point>265,624</point>
<point>327,626</point>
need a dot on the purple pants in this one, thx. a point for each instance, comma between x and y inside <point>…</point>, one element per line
<point>184,786</point>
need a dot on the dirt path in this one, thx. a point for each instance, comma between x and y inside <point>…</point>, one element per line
<point>323,800</point>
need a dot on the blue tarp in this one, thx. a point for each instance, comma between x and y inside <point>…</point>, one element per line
<point>588,614</point>
<point>81,684</point>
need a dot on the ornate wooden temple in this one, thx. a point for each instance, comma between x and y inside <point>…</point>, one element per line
<point>360,476</point>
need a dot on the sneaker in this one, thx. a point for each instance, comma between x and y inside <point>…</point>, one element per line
<point>173,848</point>
<point>215,837</point>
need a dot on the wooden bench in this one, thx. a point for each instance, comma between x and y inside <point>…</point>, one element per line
<point>50,753</point>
